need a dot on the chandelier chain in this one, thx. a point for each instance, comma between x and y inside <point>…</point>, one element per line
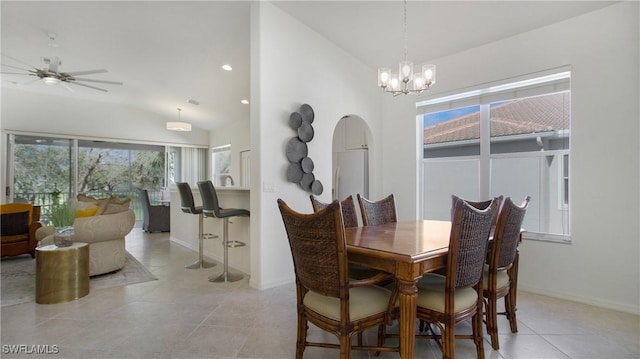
<point>405,30</point>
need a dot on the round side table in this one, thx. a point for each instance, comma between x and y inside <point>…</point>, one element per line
<point>62,273</point>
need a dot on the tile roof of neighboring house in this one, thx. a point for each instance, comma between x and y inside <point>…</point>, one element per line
<point>522,116</point>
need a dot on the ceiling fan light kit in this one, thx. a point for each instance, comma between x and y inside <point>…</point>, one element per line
<point>50,80</point>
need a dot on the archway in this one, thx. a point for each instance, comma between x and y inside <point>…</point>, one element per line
<point>351,158</point>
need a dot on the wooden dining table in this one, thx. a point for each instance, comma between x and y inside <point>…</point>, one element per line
<point>407,249</point>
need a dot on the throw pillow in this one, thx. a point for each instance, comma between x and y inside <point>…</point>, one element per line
<point>79,206</point>
<point>117,206</point>
<point>89,212</point>
<point>101,203</point>
<point>15,223</point>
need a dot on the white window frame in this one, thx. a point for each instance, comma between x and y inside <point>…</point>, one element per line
<point>541,83</point>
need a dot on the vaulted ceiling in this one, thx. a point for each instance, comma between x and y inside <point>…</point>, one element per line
<point>166,52</point>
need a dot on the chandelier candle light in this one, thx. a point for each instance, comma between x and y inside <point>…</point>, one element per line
<point>406,81</point>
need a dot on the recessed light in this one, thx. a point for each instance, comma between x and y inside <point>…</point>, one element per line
<point>244,102</point>
<point>227,67</point>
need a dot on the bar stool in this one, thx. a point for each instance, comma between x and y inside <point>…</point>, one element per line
<point>188,206</point>
<point>211,208</point>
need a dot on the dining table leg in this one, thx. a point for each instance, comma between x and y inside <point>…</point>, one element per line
<point>408,294</point>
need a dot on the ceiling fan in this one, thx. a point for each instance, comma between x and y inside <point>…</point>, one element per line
<point>51,75</point>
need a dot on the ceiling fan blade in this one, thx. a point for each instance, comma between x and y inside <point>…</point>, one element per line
<point>87,72</point>
<point>29,82</point>
<point>98,81</point>
<point>15,73</point>
<point>67,87</point>
<point>18,61</point>
<point>16,67</point>
<point>91,87</point>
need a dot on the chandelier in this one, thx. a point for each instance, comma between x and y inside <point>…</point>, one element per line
<point>406,80</point>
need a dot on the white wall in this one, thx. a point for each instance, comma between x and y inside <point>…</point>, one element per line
<point>401,154</point>
<point>292,65</point>
<point>44,113</point>
<point>601,265</point>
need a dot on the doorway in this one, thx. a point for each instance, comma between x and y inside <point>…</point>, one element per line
<point>351,158</point>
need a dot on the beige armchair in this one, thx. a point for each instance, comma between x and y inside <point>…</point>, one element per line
<point>105,235</point>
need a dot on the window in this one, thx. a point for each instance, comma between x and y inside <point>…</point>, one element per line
<point>186,164</point>
<point>221,165</point>
<point>46,170</point>
<point>106,167</point>
<point>510,140</point>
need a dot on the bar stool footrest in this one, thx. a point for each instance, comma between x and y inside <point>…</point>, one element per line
<point>233,244</point>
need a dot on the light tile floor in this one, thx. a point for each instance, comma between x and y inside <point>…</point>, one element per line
<point>182,315</point>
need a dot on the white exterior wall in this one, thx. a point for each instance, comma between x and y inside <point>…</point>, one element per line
<point>601,265</point>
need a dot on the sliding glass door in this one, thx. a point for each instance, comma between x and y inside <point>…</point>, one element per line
<point>43,170</point>
<point>49,170</point>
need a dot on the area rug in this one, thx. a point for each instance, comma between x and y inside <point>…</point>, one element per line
<point>18,278</point>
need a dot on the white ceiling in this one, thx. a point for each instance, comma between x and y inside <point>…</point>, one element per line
<point>166,52</point>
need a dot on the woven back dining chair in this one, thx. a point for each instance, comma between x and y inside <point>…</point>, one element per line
<point>500,276</point>
<point>448,300</point>
<point>350,220</point>
<point>377,212</point>
<point>478,205</point>
<point>348,210</point>
<point>325,295</point>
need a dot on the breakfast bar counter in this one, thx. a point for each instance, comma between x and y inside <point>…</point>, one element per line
<point>184,227</point>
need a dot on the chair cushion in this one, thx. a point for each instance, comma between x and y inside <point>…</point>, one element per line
<point>431,294</point>
<point>502,279</point>
<point>363,302</point>
<point>15,223</point>
<point>431,279</point>
<point>14,239</point>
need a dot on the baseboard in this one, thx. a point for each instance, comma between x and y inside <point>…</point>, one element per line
<point>582,299</point>
<point>183,243</point>
<point>272,284</point>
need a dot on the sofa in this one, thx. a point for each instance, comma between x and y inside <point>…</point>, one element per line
<point>104,231</point>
